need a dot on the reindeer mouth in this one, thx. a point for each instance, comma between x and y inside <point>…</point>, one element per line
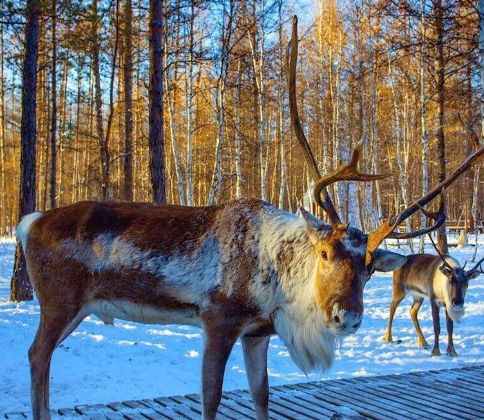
<point>343,322</point>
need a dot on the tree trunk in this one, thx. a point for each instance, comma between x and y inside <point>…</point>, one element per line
<point>103,148</point>
<point>3,172</point>
<point>439,21</point>
<point>128,108</point>
<point>216,183</point>
<point>77,167</point>
<point>53,124</point>
<point>423,118</point>
<point>378,211</point>
<point>156,138</point>
<point>258,66</point>
<point>238,149</point>
<point>189,103</point>
<point>476,190</point>
<point>21,289</point>
<point>62,125</point>
<point>171,97</point>
<point>280,111</point>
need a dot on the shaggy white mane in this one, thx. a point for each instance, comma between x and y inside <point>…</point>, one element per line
<point>297,320</point>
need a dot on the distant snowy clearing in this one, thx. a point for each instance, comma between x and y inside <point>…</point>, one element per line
<point>101,364</point>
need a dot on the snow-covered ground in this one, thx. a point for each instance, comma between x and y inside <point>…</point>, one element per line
<point>100,364</point>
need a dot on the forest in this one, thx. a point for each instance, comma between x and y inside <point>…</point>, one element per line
<point>186,102</point>
<point>220,180</point>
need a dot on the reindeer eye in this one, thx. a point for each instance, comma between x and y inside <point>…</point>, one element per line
<point>324,255</point>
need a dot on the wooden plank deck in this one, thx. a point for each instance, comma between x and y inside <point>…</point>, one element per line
<point>449,394</point>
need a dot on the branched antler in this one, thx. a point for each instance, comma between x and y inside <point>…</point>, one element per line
<point>349,172</point>
<point>446,264</point>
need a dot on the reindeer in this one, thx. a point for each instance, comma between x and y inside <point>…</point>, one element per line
<point>244,270</point>
<point>440,279</point>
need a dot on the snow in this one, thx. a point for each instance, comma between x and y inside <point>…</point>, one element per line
<point>101,364</point>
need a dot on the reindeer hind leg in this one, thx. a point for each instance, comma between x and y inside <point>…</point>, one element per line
<point>398,296</point>
<point>55,325</point>
<point>255,357</point>
<point>417,303</point>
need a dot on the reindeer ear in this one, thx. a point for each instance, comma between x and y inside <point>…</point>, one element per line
<point>386,260</point>
<point>313,224</point>
<point>473,275</point>
<point>446,271</point>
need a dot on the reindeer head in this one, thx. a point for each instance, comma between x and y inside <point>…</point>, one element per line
<point>341,272</point>
<point>457,282</point>
<point>347,257</point>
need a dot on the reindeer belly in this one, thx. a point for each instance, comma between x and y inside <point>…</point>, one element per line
<point>107,311</point>
<point>417,292</point>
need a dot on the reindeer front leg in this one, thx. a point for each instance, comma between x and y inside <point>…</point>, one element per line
<point>436,321</point>
<point>255,358</point>
<point>219,340</point>
<point>450,331</point>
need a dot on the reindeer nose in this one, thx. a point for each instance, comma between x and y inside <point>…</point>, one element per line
<point>345,321</point>
<point>458,306</point>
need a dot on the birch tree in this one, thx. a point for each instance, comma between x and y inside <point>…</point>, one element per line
<point>423,115</point>
<point>171,96</point>
<point>189,106</point>
<point>128,107</point>
<point>20,288</point>
<point>103,148</point>
<point>280,111</point>
<point>53,126</point>
<point>438,9</point>
<point>225,41</point>
<point>156,137</point>
<point>257,53</point>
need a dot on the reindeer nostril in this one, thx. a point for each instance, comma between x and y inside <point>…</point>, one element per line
<point>357,324</point>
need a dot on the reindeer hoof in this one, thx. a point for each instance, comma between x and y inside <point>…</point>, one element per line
<point>436,352</point>
<point>451,353</point>
<point>388,339</point>
<point>424,344</point>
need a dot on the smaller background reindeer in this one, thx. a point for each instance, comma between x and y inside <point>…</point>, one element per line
<point>441,280</point>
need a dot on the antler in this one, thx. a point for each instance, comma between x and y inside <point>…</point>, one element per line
<point>475,268</point>
<point>446,264</point>
<point>348,172</point>
<point>386,229</point>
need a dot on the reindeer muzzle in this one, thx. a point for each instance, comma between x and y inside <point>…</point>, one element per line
<point>458,307</point>
<point>344,322</point>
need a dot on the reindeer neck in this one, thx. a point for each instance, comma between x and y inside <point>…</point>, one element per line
<point>285,247</point>
<point>287,251</point>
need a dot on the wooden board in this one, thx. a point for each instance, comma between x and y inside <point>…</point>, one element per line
<point>448,394</point>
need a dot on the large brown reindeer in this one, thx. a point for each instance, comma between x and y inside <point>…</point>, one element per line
<point>240,270</point>
<point>440,279</point>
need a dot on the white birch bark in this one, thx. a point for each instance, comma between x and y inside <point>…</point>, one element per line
<point>3,221</point>
<point>258,65</point>
<point>238,149</point>
<point>280,114</point>
<point>189,105</point>
<point>366,199</point>
<point>423,117</point>
<point>475,194</point>
<point>174,147</point>
<point>377,213</point>
<point>397,129</point>
<point>172,123</point>
<point>216,183</point>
